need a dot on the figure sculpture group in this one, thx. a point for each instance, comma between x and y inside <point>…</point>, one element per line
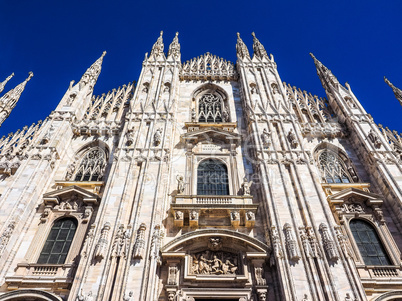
<point>214,263</point>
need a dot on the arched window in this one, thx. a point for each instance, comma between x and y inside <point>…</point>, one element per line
<point>210,108</point>
<point>212,178</point>
<point>368,242</point>
<point>333,168</point>
<point>92,165</point>
<point>58,242</point>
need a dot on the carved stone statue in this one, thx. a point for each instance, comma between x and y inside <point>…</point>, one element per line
<point>215,243</point>
<point>235,215</point>
<point>129,296</point>
<point>246,186</point>
<point>194,215</point>
<point>373,137</point>
<point>214,263</point>
<point>225,114</point>
<point>158,137</point>
<point>262,296</point>
<point>250,216</point>
<point>266,141</point>
<point>305,297</point>
<point>180,184</point>
<point>5,237</point>
<point>292,139</point>
<point>179,215</point>
<point>70,171</point>
<point>139,245</point>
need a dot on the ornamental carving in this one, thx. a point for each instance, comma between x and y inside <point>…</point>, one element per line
<point>121,242</point>
<point>208,66</point>
<point>329,244</point>
<point>291,243</point>
<point>101,246</point>
<point>5,237</point>
<point>139,245</point>
<point>214,263</point>
<point>353,208</point>
<point>265,137</point>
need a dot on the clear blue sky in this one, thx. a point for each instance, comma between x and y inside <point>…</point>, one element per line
<point>360,41</point>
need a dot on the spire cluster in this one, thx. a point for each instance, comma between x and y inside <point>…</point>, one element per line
<point>258,48</point>
<point>158,47</point>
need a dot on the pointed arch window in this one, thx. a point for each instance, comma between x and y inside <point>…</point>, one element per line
<point>58,242</point>
<point>92,165</point>
<point>368,243</point>
<point>212,178</point>
<point>333,168</point>
<point>210,108</point>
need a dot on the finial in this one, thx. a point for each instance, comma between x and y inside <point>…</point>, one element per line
<point>238,35</point>
<point>30,76</point>
<point>397,91</point>
<point>177,33</point>
<point>103,53</point>
<point>3,84</point>
<point>253,34</point>
<point>259,50</point>
<point>312,55</point>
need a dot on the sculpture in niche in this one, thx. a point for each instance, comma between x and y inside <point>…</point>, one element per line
<point>214,263</point>
<point>172,279</point>
<point>129,296</point>
<point>225,114</point>
<point>139,245</point>
<point>275,88</point>
<point>291,242</point>
<point>171,296</point>
<point>374,139</point>
<point>292,139</point>
<point>70,171</point>
<point>5,237</point>
<point>266,141</point>
<point>101,246</point>
<point>246,186</point>
<point>180,184</point>
<point>158,137</point>
<point>120,244</point>
<point>329,244</point>
<point>277,248</point>
<point>259,276</point>
<point>88,242</point>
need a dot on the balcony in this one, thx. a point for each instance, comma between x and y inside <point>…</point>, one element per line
<point>212,210</point>
<point>380,277</point>
<point>55,276</point>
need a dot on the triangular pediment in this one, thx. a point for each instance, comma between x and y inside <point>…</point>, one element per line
<point>212,134</point>
<point>57,196</point>
<point>357,195</point>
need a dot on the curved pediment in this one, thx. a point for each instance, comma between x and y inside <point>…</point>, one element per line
<point>208,66</point>
<point>227,239</point>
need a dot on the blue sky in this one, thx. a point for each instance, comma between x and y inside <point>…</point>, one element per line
<point>360,41</point>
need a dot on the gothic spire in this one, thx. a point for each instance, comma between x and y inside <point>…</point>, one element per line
<point>323,72</point>
<point>10,99</point>
<point>241,48</point>
<point>258,48</point>
<point>91,75</point>
<point>157,48</point>
<point>174,48</point>
<point>3,84</point>
<point>397,91</point>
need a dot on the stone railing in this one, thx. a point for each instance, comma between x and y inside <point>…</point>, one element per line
<point>384,271</point>
<point>42,275</point>
<point>213,210</point>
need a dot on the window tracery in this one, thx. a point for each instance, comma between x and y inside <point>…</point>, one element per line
<point>210,108</point>
<point>92,166</point>
<point>333,168</point>
<point>368,243</point>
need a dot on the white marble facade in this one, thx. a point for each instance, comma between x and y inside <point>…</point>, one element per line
<point>123,177</point>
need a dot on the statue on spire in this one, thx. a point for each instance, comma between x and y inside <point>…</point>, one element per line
<point>157,49</point>
<point>174,48</point>
<point>3,84</point>
<point>10,99</point>
<point>397,91</point>
<point>91,75</point>
<point>241,48</point>
<point>324,71</point>
<point>258,48</point>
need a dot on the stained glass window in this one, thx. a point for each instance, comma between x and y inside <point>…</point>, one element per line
<point>58,242</point>
<point>212,178</point>
<point>368,242</point>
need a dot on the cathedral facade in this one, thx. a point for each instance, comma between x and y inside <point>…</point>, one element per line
<point>206,180</point>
